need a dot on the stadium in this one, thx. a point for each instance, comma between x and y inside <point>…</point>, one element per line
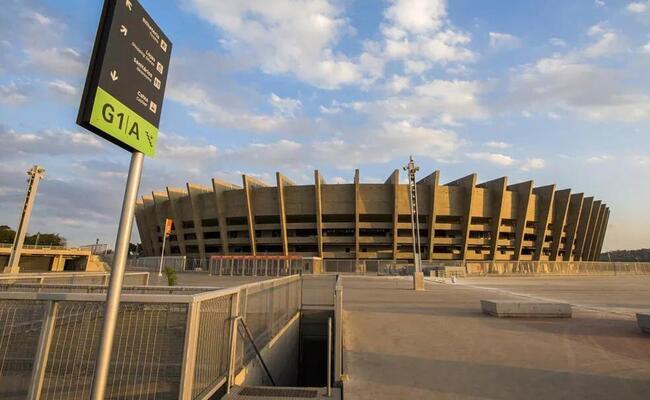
<point>461,220</point>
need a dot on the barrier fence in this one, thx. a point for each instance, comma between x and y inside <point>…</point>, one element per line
<point>70,278</point>
<point>489,268</point>
<point>171,343</point>
<point>256,265</point>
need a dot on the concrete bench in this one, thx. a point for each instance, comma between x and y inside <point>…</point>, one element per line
<point>525,309</point>
<point>644,322</point>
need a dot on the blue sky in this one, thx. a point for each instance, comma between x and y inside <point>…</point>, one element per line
<point>553,91</point>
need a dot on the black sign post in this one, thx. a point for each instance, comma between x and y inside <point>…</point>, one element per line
<point>125,86</point>
<point>121,102</point>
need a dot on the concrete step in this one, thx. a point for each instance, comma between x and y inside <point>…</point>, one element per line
<point>280,393</point>
<point>526,309</point>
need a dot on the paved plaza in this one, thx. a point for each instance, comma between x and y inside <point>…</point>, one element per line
<point>401,344</point>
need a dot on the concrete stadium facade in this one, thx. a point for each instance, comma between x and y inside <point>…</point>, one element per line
<point>459,220</point>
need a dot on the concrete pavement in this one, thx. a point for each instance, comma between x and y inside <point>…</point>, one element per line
<point>401,344</point>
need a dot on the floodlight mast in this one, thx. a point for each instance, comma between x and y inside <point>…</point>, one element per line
<point>36,173</point>
<point>411,169</point>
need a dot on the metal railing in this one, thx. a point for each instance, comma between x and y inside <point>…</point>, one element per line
<point>88,278</point>
<point>255,265</point>
<point>42,247</point>
<point>367,267</point>
<point>167,346</point>
<point>555,268</point>
<point>489,268</point>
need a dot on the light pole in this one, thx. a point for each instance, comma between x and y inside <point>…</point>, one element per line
<point>36,173</point>
<point>418,276</point>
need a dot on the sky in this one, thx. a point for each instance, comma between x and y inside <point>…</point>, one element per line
<point>553,91</point>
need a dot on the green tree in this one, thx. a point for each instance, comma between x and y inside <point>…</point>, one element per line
<point>135,248</point>
<point>47,239</point>
<point>6,234</point>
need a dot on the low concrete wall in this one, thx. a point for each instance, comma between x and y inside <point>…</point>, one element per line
<point>280,356</point>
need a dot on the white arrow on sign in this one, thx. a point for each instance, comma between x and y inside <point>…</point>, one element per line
<point>114,75</point>
<point>128,4</point>
<point>123,30</point>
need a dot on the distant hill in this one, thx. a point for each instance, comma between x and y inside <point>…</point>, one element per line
<point>640,255</point>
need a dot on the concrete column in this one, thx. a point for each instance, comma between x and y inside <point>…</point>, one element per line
<point>583,226</point>
<point>58,263</point>
<point>249,214</point>
<point>174,196</point>
<point>394,181</point>
<point>158,199</point>
<point>318,181</point>
<point>194,190</point>
<point>218,188</point>
<point>357,200</point>
<point>433,181</point>
<point>595,236</point>
<point>282,213</point>
<point>497,188</point>
<point>589,235</point>
<point>545,196</point>
<point>149,213</point>
<point>572,222</point>
<point>560,209</point>
<point>524,191</point>
<point>603,232</point>
<point>468,183</point>
<point>143,227</point>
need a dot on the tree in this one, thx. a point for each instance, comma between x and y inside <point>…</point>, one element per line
<point>7,235</point>
<point>46,239</point>
<point>135,248</point>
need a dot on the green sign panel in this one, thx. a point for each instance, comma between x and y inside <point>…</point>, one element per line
<point>126,81</point>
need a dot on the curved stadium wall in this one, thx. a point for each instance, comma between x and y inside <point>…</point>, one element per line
<point>459,220</point>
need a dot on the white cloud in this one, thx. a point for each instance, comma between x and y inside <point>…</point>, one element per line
<point>399,83</point>
<point>13,93</point>
<point>639,7</point>
<point>419,33</point>
<point>278,154</point>
<point>557,42</point>
<point>642,160</point>
<point>417,16</point>
<point>493,158</point>
<point>645,48</point>
<point>330,110</point>
<point>441,102</point>
<point>608,42</point>
<point>503,41</point>
<point>599,159</point>
<point>49,142</point>
<point>206,110</point>
<point>401,137</point>
<point>533,163</point>
<point>498,145</point>
<point>286,36</point>
<point>568,83</point>
<point>63,61</point>
<point>285,105</point>
<point>599,3</point>
<point>63,88</point>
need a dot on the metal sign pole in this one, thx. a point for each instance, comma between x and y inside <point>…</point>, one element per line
<point>162,254</point>
<point>117,276</point>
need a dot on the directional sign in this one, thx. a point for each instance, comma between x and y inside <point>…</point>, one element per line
<point>125,86</point>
